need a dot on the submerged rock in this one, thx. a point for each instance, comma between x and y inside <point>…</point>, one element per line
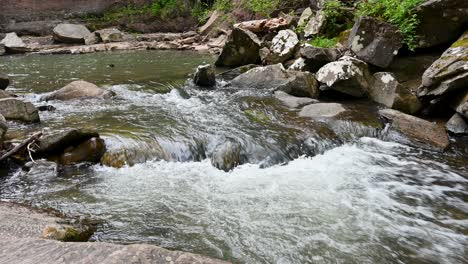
<point>388,91</point>
<point>4,81</point>
<point>70,33</point>
<point>347,75</point>
<point>457,125</point>
<point>322,110</point>
<point>441,21</point>
<point>449,73</point>
<point>90,150</point>
<point>77,90</point>
<point>293,101</point>
<point>275,77</point>
<point>15,109</point>
<point>227,155</point>
<point>205,76</point>
<point>241,48</point>
<point>419,132</point>
<point>374,41</point>
<point>231,74</point>
<point>282,47</point>
<point>110,35</point>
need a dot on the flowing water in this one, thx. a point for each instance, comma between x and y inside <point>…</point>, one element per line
<point>309,192</point>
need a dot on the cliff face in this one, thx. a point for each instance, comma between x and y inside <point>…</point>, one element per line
<point>39,16</point>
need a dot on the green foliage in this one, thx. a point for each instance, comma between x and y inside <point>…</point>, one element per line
<point>397,12</point>
<point>333,11</point>
<point>223,5</point>
<point>323,42</point>
<point>201,11</point>
<point>263,7</point>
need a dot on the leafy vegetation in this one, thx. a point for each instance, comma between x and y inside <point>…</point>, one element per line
<point>398,12</point>
<point>323,42</point>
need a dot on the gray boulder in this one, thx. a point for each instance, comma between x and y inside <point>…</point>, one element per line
<point>110,35</point>
<point>316,24</point>
<point>241,48</point>
<point>348,75</point>
<point>205,76</point>
<point>15,109</point>
<point>457,125</point>
<point>78,90</point>
<point>56,143</point>
<point>441,21</point>
<point>13,43</point>
<point>4,81</point>
<point>92,39</point>
<point>233,73</point>
<point>293,101</point>
<point>305,17</point>
<point>283,47</point>
<point>460,103</point>
<point>449,73</point>
<point>322,110</point>
<point>70,33</point>
<point>315,58</point>
<point>227,155</point>
<point>418,132</point>
<point>374,41</point>
<point>276,78</point>
<point>386,90</point>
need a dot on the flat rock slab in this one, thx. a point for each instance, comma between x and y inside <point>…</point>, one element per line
<point>321,110</point>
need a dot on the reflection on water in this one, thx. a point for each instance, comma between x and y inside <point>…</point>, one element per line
<point>360,200</point>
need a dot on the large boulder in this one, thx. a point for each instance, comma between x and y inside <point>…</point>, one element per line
<point>386,90</point>
<point>15,109</point>
<point>78,90</point>
<point>110,35</point>
<point>418,132</point>
<point>227,155</point>
<point>276,78</point>
<point>374,41</point>
<point>441,21</point>
<point>72,146</point>
<point>457,125</point>
<point>316,24</point>
<point>4,81</point>
<point>283,47</point>
<point>449,73</point>
<point>348,75</point>
<point>70,33</point>
<point>13,43</point>
<point>314,57</point>
<point>205,76</point>
<point>241,48</point>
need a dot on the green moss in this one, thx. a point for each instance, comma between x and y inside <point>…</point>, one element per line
<point>460,43</point>
<point>256,116</point>
<point>323,42</point>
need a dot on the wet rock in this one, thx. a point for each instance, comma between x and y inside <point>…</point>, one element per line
<point>231,74</point>
<point>264,25</point>
<point>2,49</point>
<point>70,33</point>
<point>4,81</point>
<point>57,143</point>
<point>13,43</point>
<point>315,58</point>
<point>40,166</point>
<point>212,22</point>
<point>241,48</point>
<point>227,155</point>
<point>388,91</point>
<point>322,110</point>
<point>15,109</point>
<point>5,94</point>
<point>316,24</point>
<point>449,73</point>
<point>92,39</point>
<point>457,125</point>
<point>441,21</point>
<point>205,76</point>
<point>78,90</point>
<point>374,41</point>
<point>460,103</point>
<point>44,108</point>
<point>419,132</point>
<point>3,129</point>
<point>91,150</point>
<point>282,47</point>
<point>348,75</point>
<point>293,101</point>
<point>110,35</point>
<point>50,251</point>
<point>275,77</point>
